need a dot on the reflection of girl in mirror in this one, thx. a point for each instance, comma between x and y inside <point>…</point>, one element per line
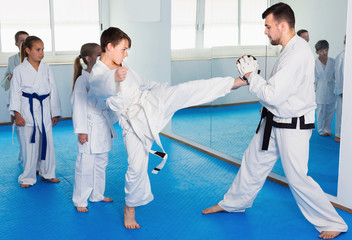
<point>35,104</point>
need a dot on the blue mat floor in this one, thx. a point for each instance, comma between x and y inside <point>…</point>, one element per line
<point>190,182</point>
<point>230,129</point>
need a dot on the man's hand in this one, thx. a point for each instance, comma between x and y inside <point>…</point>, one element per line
<point>247,64</point>
<point>120,74</point>
<point>9,77</point>
<point>55,120</point>
<point>83,138</point>
<point>19,120</point>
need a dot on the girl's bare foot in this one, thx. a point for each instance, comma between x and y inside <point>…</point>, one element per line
<point>82,209</point>
<point>107,199</point>
<point>53,180</point>
<point>328,234</point>
<point>129,215</point>
<point>25,185</point>
<point>214,209</point>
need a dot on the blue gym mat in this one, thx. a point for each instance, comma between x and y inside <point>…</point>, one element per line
<point>190,182</point>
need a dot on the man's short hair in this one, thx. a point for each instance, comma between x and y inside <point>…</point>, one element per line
<point>300,32</point>
<point>321,44</point>
<point>17,35</point>
<point>114,36</point>
<point>281,12</point>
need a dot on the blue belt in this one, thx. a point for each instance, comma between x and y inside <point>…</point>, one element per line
<point>40,98</point>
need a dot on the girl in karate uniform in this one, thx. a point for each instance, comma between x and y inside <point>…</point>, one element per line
<point>94,129</point>
<point>35,104</point>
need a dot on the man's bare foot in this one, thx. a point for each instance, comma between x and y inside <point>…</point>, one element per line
<point>53,180</point>
<point>129,216</point>
<point>328,234</point>
<point>107,199</point>
<point>25,185</point>
<point>82,209</point>
<point>337,139</point>
<point>214,209</point>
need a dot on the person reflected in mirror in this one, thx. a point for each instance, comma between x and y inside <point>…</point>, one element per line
<point>324,88</point>
<point>339,77</point>
<point>303,33</point>
<point>285,128</point>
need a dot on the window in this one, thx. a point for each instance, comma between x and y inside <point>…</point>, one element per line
<point>63,25</point>
<point>217,27</point>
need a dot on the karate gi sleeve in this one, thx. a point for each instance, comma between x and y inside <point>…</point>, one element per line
<point>54,96</point>
<point>283,84</point>
<point>79,101</point>
<point>15,93</point>
<point>5,83</point>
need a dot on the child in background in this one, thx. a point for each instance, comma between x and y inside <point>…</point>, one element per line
<point>143,108</point>
<point>35,103</point>
<point>324,88</point>
<point>13,61</point>
<point>94,128</point>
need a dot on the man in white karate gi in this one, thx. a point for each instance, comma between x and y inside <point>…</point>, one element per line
<point>288,101</point>
<point>339,76</point>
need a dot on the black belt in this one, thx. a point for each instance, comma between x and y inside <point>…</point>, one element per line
<point>271,123</point>
<point>40,98</point>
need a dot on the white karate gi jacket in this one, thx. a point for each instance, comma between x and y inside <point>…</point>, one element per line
<point>12,63</point>
<point>339,68</point>
<point>27,79</point>
<point>325,81</point>
<point>87,119</point>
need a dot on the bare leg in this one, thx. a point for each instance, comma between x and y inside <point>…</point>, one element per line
<point>129,215</point>
<point>53,180</point>
<point>328,234</point>
<point>82,209</point>
<point>107,199</point>
<point>214,209</point>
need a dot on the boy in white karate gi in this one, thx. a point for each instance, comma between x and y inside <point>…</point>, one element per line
<point>288,101</point>
<point>143,108</point>
<point>13,61</point>
<point>34,101</point>
<point>324,88</point>
<point>94,128</point>
<point>339,76</point>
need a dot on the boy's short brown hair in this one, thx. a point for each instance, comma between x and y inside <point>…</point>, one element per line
<point>114,36</point>
<point>17,35</point>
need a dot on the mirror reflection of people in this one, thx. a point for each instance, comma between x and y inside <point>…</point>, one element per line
<point>303,34</point>
<point>288,101</point>
<point>339,76</point>
<point>324,88</point>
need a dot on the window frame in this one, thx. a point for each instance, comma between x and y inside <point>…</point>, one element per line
<point>199,52</point>
<point>64,57</point>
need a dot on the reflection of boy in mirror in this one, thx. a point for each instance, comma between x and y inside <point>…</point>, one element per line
<point>324,88</point>
<point>288,101</point>
<point>339,68</point>
<point>303,34</point>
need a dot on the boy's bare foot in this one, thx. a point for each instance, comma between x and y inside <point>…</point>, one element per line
<point>82,209</point>
<point>53,180</point>
<point>25,185</point>
<point>214,209</point>
<point>107,199</point>
<point>328,234</point>
<point>129,216</point>
<point>337,139</point>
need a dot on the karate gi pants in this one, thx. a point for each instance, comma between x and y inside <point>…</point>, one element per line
<point>292,145</point>
<point>137,184</point>
<point>325,115</point>
<point>338,116</point>
<point>31,155</point>
<point>89,178</point>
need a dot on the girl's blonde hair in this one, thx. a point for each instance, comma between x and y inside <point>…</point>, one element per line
<point>87,50</point>
<point>28,43</point>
